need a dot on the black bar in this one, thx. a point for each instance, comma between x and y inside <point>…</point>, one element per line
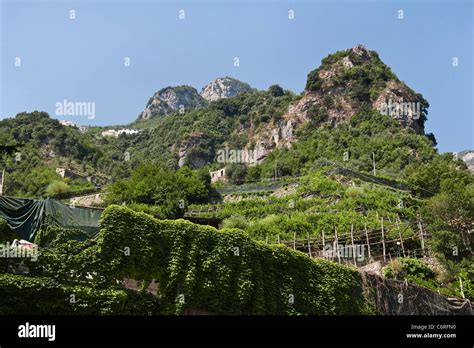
<point>261,330</point>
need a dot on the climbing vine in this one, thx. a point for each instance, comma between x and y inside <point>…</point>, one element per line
<point>224,271</point>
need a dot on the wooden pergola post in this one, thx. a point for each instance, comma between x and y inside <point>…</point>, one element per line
<point>383,241</point>
<point>421,238</point>
<point>324,256</point>
<point>353,247</point>
<point>309,247</point>
<point>398,222</point>
<point>367,237</point>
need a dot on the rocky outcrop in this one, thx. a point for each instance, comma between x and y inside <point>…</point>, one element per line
<point>171,99</point>
<point>349,80</point>
<point>272,137</point>
<point>183,98</point>
<point>194,150</point>
<point>342,86</point>
<point>224,87</point>
<point>397,101</point>
<point>468,158</point>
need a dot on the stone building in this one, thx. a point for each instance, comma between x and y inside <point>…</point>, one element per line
<point>218,175</point>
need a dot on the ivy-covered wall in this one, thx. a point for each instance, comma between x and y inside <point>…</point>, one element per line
<point>196,268</point>
<point>221,271</point>
<point>23,295</point>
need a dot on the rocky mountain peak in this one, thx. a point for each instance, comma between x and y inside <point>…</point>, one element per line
<point>170,99</point>
<point>350,80</point>
<point>361,51</point>
<point>223,87</point>
<point>346,83</point>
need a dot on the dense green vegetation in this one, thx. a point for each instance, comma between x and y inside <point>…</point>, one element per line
<point>196,266</point>
<point>46,296</point>
<point>404,267</point>
<point>6,234</point>
<point>320,202</point>
<point>169,191</point>
<point>210,126</point>
<point>43,145</point>
<point>418,272</point>
<point>398,152</point>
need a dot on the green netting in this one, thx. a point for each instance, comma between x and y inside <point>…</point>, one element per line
<point>26,216</point>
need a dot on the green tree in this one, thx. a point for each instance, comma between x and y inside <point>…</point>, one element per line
<point>253,173</point>
<point>156,185</point>
<point>236,172</point>
<point>276,91</point>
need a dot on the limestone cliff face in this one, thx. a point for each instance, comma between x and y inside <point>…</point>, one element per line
<point>224,87</point>
<point>271,137</point>
<point>171,99</point>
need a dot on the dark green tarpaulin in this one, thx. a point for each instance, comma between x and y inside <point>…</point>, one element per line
<point>26,216</point>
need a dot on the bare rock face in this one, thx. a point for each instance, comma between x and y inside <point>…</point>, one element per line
<point>397,101</point>
<point>468,158</point>
<point>171,99</point>
<point>271,137</point>
<point>339,111</point>
<point>194,150</point>
<point>183,98</point>
<point>224,87</point>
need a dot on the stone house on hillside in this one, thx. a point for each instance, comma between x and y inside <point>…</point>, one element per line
<point>218,175</point>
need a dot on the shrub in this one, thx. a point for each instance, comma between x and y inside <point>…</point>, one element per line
<point>317,114</point>
<point>253,173</point>
<point>313,82</point>
<point>354,191</point>
<point>236,221</point>
<point>236,172</point>
<point>264,118</point>
<point>276,91</point>
<point>404,267</point>
<point>328,102</point>
<point>154,210</point>
<point>57,187</point>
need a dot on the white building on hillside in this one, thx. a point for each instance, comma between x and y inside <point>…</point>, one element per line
<point>115,133</point>
<point>67,123</point>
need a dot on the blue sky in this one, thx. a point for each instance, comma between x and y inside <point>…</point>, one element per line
<point>82,60</point>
